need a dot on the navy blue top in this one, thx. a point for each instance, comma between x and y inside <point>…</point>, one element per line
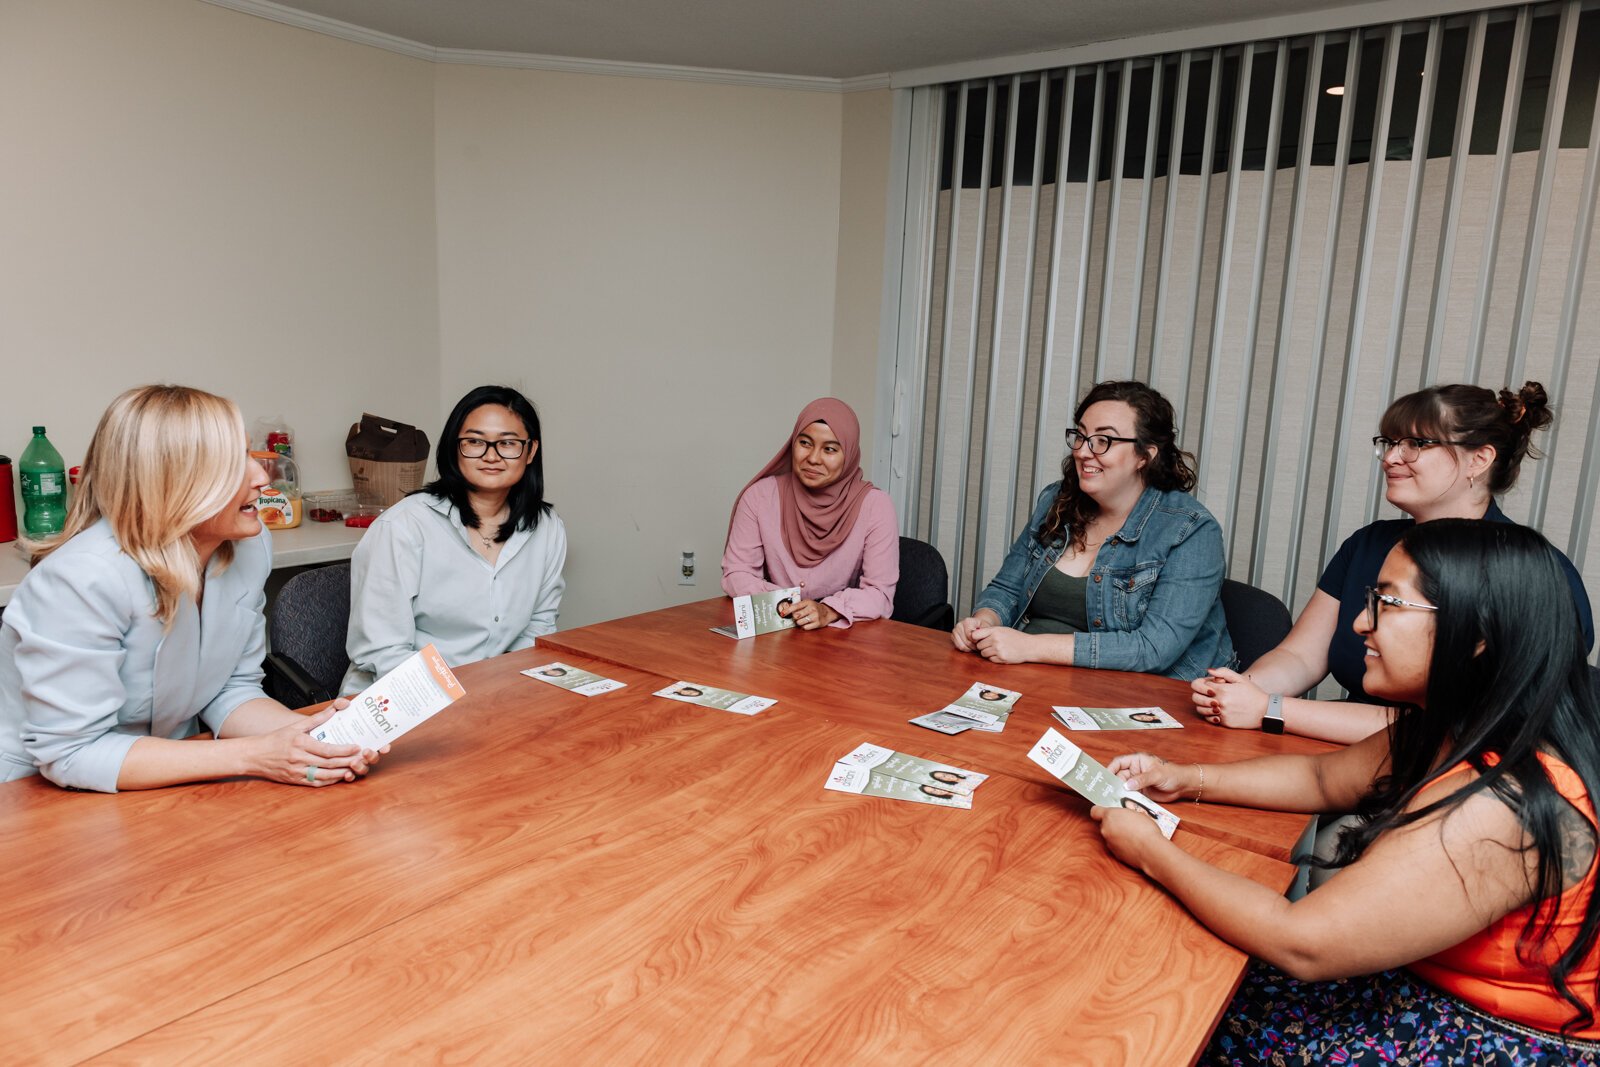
<point>1355,566</point>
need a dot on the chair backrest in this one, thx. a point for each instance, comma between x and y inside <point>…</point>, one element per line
<point>309,620</point>
<point>1257,621</point>
<point>922,596</point>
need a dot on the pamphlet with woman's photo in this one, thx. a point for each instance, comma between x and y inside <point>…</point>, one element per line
<point>1076,718</point>
<point>988,706</point>
<point>914,768</point>
<point>582,682</point>
<point>761,613</point>
<point>707,696</point>
<point>869,783</point>
<point>875,771</point>
<point>1079,772</point>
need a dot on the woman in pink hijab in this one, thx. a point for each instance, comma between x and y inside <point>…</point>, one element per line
<point>810,519</point>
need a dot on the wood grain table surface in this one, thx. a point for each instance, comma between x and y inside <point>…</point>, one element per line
<point>533,876</point>
<point>881,674</point>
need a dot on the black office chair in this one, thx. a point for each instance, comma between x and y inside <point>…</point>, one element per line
<point>309,619</point>
<point>922,597</point>
<point>1257,621</point>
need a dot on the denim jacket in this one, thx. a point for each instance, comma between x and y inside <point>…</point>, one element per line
<point>1154,601</point>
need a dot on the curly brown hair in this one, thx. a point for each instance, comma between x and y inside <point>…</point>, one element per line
<point>1167,468</point>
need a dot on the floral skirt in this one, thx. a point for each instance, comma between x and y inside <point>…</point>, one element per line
<point>1388,1018</point>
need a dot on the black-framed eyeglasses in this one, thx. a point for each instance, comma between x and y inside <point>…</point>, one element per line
<point>1374,598</point>
<point>477,447</point>
<point>1410,447</point>
<point>1099,443</point>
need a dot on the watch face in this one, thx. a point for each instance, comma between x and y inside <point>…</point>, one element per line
<point>1272,726</point>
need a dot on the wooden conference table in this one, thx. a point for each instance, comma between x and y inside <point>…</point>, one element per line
<point>878,677</point>
<point>535,876</point>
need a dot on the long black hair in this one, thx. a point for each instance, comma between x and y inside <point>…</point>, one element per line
<point>1507,677</point>
<point>1168,467</point>
<point>526,500</point>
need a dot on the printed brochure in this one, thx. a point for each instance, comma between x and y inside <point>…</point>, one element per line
<point>1076,718</point>
<point>988,706</point>
<point>944,722</point>
<point>574,679</point>
<point>874,771</point>
<point>869,783</point>
<point>710,697</point>
<point>415,691</point>
<point>914,769</point>
<point>1080,773</point>
<point>761,613</point>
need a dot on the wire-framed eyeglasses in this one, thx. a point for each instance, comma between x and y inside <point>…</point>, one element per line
<point>1374,598</point>
<point>1099,443</point>
<point>1410,447</point>
<point>477,447</point>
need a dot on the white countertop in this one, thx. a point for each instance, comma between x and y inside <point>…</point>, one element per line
<point>310,542</point>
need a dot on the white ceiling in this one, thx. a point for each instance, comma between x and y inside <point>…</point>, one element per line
<point>816,38</point>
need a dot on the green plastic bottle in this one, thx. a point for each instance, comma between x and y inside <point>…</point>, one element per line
<point>44,487</point>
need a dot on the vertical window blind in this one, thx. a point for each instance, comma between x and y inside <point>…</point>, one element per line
<point>1281,236</point>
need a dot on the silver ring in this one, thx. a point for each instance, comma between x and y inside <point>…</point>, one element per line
<point>311,774</point>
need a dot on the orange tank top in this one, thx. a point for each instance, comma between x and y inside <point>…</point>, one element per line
<point>1485,970</point>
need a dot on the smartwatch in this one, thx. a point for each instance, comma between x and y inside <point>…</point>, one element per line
<point>1272,721</point>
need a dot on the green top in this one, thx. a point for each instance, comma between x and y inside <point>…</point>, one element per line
<point>1060,605</point>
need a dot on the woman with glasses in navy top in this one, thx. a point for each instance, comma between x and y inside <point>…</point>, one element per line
<point>471,563</point>
<point>1447,452</point>
<point>1119,567</point>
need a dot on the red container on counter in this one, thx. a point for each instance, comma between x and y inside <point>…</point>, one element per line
<point>8,503</point>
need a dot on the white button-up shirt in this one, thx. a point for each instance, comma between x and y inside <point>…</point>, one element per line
<point>415,580</point>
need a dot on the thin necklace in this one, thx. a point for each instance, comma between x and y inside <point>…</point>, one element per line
<point>488,542</point>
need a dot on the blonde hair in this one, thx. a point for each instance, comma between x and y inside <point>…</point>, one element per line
<point>163,460</point>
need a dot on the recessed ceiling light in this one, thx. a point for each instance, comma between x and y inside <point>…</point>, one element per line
<point>1335,90</point>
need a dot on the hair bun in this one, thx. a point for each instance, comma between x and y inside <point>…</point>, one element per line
<point>1529,407</point>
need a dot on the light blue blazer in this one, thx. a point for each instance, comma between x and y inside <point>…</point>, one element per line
<point>86,668</point>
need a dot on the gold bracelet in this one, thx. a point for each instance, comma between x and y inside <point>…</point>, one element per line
<point>1200,790</point>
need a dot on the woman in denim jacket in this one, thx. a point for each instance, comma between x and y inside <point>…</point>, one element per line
<point>1119,568</point>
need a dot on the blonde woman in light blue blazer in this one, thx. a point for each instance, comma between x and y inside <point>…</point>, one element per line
<point>141,622</point>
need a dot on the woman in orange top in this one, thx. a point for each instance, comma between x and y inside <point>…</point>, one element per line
<point>1462,925</point>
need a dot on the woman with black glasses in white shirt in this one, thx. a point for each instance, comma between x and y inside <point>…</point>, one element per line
<point>471,563</point>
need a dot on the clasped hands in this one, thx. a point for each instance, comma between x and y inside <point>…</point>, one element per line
<point>982,633</point>
<point>1228,698</point>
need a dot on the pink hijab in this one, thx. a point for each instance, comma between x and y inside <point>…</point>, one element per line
<point>815,522</point>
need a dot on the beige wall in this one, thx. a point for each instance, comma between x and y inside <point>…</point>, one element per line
<point>189,194</point>
<point>318,228</point>
<point>653,262</point>
<point>858,291</point>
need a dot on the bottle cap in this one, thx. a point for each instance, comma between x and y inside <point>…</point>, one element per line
<point>38,430</point>
<point>262,455</point>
